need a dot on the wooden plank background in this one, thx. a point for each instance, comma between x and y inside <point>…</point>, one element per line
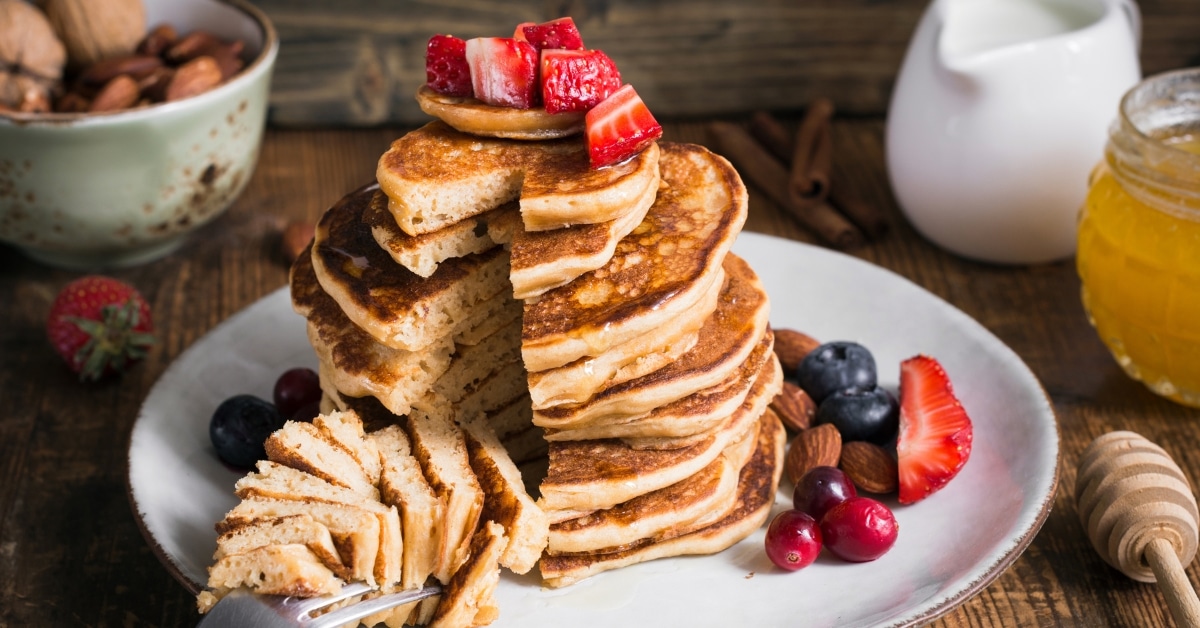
<point>359,62</point>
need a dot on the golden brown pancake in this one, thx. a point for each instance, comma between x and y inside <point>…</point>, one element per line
<point>696,413</point>
<point>596,474</point>
<point>436,176</point>
<point>658,273</point>
<point>544,260</point>
<point>397,307</point>
<point>422,254</point>
<point>476,117</point>
<point>727,339</point>
<point>758,482</point>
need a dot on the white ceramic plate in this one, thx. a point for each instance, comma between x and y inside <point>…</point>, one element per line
<point>950,545</point>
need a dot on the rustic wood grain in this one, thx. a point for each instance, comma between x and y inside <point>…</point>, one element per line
<point>359,62</point>
<point>70,550</point>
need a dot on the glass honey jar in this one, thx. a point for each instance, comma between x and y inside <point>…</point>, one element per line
<point>1138,254</point>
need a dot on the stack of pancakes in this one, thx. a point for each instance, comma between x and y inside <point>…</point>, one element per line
<point>494,301</point>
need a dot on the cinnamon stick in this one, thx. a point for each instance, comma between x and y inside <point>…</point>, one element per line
<point>812,153</point>
<point>766,172</point>
<point>772,134</point>
<point>840,195</point>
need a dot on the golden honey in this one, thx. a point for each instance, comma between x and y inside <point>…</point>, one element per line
<point>1138,253</point>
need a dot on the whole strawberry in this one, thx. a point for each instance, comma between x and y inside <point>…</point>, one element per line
<point>99,325</point>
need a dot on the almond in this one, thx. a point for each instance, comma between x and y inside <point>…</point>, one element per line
<point>194,77</point>
<point>136,66</point>
<point>158,40</point>
<point>794,407</point>
<point>120,93</point>
<point>791,346</point>
<point>870,467</point>
<point>191,46</point>
<point>815,447</point>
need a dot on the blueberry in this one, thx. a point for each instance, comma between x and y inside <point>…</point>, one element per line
<point>836,366</point>
<point>871,415</point>
<point>240,427</point>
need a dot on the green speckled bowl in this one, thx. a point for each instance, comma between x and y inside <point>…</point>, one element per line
<point>90,191</point>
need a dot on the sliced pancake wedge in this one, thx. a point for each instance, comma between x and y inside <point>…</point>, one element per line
<point>469,598</point>
<point>597,474</point>
<point>727,339</point>
<point>440,448</point>
<point>657,275</point>
<point>355,531</point>
<point>397,307</point>
<point>279,482</point>
<point>436,176</point>
<point>756,495</point>
<point>422,254</point>
<point>274,570</point>
<point>505,499</point>
<point>303,447</point>
<point>697,413</point>
<point>544,260</point>
<point>476,117</point>
<point>290,530</point>
<point>402,484</point>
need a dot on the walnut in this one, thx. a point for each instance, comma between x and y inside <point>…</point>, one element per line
<point>27,41</point>
<point>94,30</point>
<point>31,57</point>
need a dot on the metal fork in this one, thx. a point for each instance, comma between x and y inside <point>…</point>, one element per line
<point>241,608</point>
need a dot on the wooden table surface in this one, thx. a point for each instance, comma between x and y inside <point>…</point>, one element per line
<point>71,553</point>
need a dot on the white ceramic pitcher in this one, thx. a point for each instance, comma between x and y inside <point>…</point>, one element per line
<point>999,113</point>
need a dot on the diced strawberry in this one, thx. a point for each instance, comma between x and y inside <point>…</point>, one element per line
<point>446,69</point>
<point>619,128</point>
<point>504,71</point>
<point>519,33</point>
<point>935,431</point>
<point>561,33</point>
<point>577,80</point>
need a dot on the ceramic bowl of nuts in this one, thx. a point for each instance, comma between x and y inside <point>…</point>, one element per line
<point>126,124</point>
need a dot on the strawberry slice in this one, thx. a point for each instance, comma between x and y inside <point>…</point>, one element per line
<point>519,33</point>
<point>560,33</point>
<point>577,80</point>
<point>935,431</point>
<point>503,71</point>
<point>446,69</point>
<point>619,128</point>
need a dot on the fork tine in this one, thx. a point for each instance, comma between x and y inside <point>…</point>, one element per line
<point>297,608</point>
<point>362,609</point>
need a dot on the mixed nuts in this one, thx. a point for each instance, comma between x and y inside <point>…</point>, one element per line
<point>58,59</point>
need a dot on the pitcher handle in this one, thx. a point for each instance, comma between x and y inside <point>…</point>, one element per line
<point>1134,15</point>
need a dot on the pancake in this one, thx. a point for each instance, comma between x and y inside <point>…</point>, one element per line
<point>476,117</point>
<point>586,377</point>
<point>727,339</point>
<point>596,474</point>
<point>436,176</point>
<point>694,414</point>
<point>757,484</point>
<point>422,254</point>
<point>658,274</point>
<point>544,260</point>
<point>397,307</point>
<point>648,516</point>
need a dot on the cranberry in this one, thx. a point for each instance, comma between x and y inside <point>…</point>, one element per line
<point>295,389</point>
<point>793,540</point>
<point>820,489</point>
<point>859,529</point>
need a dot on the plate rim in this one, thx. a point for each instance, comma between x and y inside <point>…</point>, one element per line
<point>920,615</point>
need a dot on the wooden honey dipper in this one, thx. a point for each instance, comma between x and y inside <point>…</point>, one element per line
<point>1140,515</point>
